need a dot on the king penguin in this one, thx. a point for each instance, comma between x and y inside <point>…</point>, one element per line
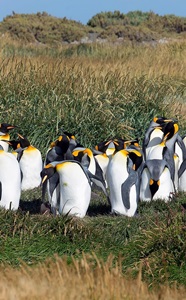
<point>123,183</point>
<point>156,181</point>
<point>10,181</point>
<point>74,185</point>
<point>31,164</point>
<point>154,134</point>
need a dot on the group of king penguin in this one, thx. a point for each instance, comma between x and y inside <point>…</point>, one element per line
<point>126,172</point>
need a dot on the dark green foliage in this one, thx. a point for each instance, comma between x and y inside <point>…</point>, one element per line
<point>105,19</point>
<point>137,17</point>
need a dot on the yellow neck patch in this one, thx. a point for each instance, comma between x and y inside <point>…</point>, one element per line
<point>5,137</point>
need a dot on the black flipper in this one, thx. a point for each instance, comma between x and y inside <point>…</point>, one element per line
<point>21,175</point>
<point>126,187</point>
<point>19,154</point>
<point>53,183</point>
<point>44,187</point>
<point>182,146</point>
<point>182,168</point>
<point>169,157</point>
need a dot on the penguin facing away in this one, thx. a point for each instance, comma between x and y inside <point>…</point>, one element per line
<point>57,149</point>
<point>10,181</point>
<point>74,186</point>
<point>123,184</point>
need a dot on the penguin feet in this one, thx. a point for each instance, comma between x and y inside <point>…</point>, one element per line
<point>45,209</point>
<point>172,196</point>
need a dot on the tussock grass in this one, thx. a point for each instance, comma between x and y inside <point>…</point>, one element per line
<point>94,97</point>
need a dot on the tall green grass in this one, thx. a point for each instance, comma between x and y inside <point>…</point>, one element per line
<point>95,99</point>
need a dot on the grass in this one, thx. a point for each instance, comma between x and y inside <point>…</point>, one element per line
<point>88,278</point>
<point>115,98</point>
<point>152,242</point>
<point>96,94</point>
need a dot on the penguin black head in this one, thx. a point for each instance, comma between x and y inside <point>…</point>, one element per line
<point>24,142</point>
<point>63,142</point>
<point>170,129</point>
<point>136,158</point>
<point>47,172</point>
<point>15,144</point>
<point>5,127</point>
<point>121,144</point>
<point>161,120</point>
<point>70,135</point>
<point>79,154</point>
<point>102,146</point>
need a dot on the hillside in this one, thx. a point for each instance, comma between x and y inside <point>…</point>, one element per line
<point>105,26</point>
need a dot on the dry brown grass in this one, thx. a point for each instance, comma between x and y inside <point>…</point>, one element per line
<point>55,279</point>
<point>153,60</point>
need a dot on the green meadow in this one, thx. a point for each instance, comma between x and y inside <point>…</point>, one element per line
<point>96,91</point>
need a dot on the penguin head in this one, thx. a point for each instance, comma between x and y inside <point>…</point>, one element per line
<point>103,146</point>
<point>70,135</point>
<point>62,142</point>
<point>15,144</point>
<point>47,172</point>
<point>5,127</point>
<point>24,142</point>
<point>132,144</point>
<point>170,129</point>
<point>121,144</point>
<point>78,154</point>
<point>135,143</point>
<point>88,152</point>
<point>136,158</point>
<point>161,120</point>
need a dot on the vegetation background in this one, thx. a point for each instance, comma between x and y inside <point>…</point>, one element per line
<point>106,79</point>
